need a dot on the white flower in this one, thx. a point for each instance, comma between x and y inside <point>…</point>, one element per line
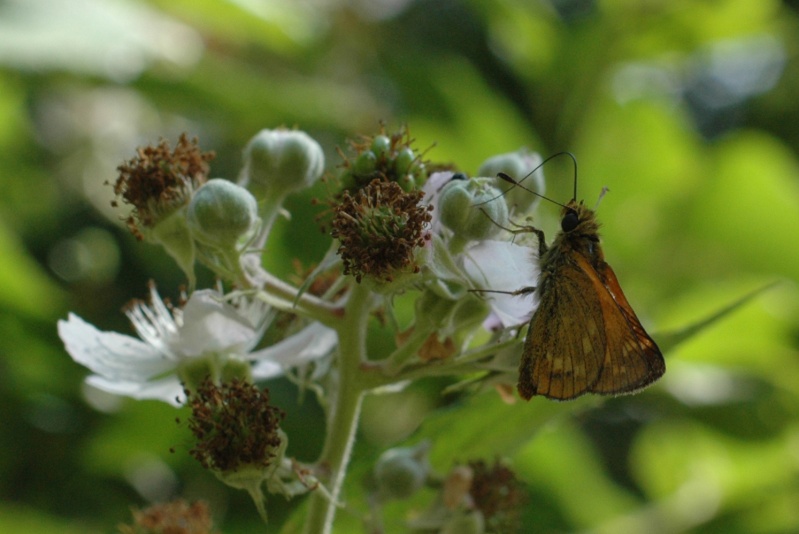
<point>312,343</point>
<point>432,190</point>
<point>506,267</point>
<point>208,327</point>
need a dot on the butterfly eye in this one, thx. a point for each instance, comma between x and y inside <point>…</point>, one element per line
<point>569,221</point>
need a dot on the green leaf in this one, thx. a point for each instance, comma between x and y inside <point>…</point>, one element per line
<point>669,340</point>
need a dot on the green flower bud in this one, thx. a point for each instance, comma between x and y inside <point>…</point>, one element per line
<point>366,164</point>
<point>518,165</point>
<point>472,209</point>
<point>221,214</point>
<point>279,162</point>
<point>515,164</point>
<point>407,183</point>
<point>403,161</point>
<point>401,472</point>
<point>381,145</point>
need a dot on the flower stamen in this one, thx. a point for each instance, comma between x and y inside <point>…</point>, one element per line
<point>160,180</point>
<point>380,228</point>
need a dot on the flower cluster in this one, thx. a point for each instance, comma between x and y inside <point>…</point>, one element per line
<point>400,224</point>
<point>474,497</point>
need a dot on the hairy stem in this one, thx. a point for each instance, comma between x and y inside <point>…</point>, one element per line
<point>344,410</point>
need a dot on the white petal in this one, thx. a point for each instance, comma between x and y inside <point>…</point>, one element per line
<point>114,356</point>
<point>504,266</point>
<point>265,370</point>
<point>168,389</point>
<point>311,343</point>
<point>210,325</point>
<point>432,189</point>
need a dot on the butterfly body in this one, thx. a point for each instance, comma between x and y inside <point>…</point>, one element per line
<point>584,337</point>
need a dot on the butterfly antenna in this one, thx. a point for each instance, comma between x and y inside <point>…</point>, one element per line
<point>574,160</point>
<point>518,183</point>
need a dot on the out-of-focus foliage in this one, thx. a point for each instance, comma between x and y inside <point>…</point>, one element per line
<point>686,110</point>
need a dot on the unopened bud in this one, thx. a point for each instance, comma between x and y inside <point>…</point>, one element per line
<point>518,165</point>
<point>401,472</point>
<point>473,209</point>
<point>221,214</point>
<point>278,162</point>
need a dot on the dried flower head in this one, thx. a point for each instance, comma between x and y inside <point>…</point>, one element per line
<point>234,425</point>
<point>497,493</point>
<point>160,180</point>
<point>176,517</point>
<point>380,228</point>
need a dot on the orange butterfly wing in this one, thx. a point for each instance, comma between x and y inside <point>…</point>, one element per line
<point>585,337</point>
<point>632,359</point>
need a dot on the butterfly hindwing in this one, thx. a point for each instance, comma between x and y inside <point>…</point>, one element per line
<point>632,359</point>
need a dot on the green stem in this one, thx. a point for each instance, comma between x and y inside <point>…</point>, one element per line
<point>258,499</point>
<point>393,364</point>
<point>284,297</point>
<point>344,410</point>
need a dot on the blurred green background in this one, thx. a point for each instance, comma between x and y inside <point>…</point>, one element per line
<point>686,110</point>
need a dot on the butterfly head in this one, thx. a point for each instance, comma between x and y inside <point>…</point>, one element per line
<point>576,217</point>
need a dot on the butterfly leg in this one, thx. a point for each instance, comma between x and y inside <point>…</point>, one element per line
<point>527,229</point>
<point>523,291</point>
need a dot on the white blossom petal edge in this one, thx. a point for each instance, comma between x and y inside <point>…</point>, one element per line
<point>146,368</point>
<point>313,342</point>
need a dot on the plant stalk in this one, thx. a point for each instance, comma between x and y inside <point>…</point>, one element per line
<point>344,410</point>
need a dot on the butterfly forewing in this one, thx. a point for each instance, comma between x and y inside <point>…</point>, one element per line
<point>563,352</point>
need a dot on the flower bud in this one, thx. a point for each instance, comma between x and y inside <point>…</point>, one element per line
<point>366,164</point>
<point>222,213</point>
<point>518,165</point>
<point>279,162</point>
<point>404,160</point>
<point>472,209</point>
<point>401,472</point>
<point>381,144</point>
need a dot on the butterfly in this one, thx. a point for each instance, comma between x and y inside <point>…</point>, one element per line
<point>584,336</point>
